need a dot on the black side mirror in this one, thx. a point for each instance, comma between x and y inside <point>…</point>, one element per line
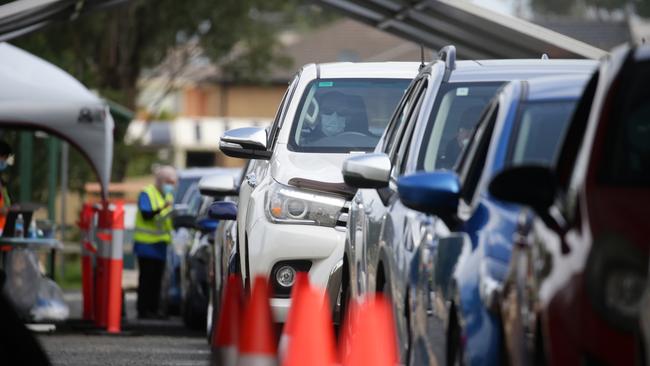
<point>186,221</point>
<point>530,185</point>
<point>223,210</point>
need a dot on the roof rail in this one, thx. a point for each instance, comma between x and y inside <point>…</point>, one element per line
<point>448,55</point>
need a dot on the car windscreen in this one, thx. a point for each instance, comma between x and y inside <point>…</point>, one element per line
<point>183,185</point>
<point>343,115</point>
<point>626,159</point>
<point>455,113</point>
<point>540,128</point>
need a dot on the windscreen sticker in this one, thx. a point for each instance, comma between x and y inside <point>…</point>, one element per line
<point>326,84</point>
<point>462,92</point>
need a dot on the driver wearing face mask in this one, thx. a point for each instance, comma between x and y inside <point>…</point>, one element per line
<point>5,202</point>
<point>332,116</point>
<point>468,120</point>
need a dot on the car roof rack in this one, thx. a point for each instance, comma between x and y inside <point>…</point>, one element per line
<point>448,55</point>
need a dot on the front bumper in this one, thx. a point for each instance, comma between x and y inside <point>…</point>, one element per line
<point>269,243</point>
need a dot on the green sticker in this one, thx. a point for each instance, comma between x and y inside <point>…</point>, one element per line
<point>325,84</point>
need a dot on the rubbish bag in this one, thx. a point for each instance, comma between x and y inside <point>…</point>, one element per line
<point>49,305</point>
<point>23,279</point>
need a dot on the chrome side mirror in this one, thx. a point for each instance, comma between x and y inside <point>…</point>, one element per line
<point>367,171</point>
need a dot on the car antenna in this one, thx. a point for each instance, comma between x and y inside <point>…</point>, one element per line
<point>421,57</point>
<point>544,56</point>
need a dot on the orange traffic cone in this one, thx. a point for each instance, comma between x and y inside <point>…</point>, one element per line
<point>226,336</point>
<point>312,335</point>
<point>257,343</point>
<point>302,280</point>
<point>372,335</point>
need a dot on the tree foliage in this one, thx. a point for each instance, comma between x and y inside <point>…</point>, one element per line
<point>108,50</point>
<point>564,7</point>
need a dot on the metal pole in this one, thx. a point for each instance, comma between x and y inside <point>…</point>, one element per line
<point>65,151</point>
<point>25,166</point>
<point>53,158</point>
<point>52,169</point>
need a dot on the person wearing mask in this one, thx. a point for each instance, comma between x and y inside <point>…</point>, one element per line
<point>153,232</point>
<point>332,116</point>
<point>468,120</point>
<point>5,201</point>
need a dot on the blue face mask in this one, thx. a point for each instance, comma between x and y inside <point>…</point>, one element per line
<point>3,165</point>
<point>168,188</point>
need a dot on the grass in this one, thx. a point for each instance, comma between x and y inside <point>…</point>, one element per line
<point>71,273</point>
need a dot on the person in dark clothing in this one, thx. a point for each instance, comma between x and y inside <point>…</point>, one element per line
<point>332,117</point>
<point>153,227</point>
<point>466,124</point>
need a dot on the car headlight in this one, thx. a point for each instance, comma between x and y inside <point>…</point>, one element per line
<point>616,278</point>
<point>289,205</point>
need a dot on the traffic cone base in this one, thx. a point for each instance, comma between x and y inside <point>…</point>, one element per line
<point>253,360</point>
<point>228,356</point>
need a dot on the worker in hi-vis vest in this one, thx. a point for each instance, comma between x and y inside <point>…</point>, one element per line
<point>5,202</point>
<point>153,232</point>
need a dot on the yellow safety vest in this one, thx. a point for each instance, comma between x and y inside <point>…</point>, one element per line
<point>159,228</point>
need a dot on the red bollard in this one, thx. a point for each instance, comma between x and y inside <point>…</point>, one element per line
<point>115,264</point>
<point>87,252</point>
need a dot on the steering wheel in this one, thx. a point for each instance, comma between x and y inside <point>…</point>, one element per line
<point>351,133</point>
<point>311,118</point>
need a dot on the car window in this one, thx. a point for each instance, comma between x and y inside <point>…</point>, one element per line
<point>474,158</point>
<point>343,115</point>
<point>540,126</point>
<point>193,199</point>
<point>457,109</point>
<point>402,112</point>
<point>183,185</point>
<point>626,159</point>
<point>575,132</point>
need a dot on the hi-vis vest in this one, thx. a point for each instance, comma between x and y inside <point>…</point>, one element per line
<point>159,228</point>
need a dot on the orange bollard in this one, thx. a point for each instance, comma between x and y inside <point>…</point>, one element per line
<point>226,335</point>
<point>302,280</point>
<point>372,335</point>
<point>257,343</point>
<point>87,252</point>
<point>115,265</point>
<point>103,238</point>
<point>312,338</point>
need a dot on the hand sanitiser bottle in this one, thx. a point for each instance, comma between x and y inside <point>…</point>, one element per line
<point>19,229</point>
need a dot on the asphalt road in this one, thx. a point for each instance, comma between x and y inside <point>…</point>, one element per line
<point>143,342</point>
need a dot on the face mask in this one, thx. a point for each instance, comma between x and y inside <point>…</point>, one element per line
<point>464,142</point>
<point>168,188</point>
<point>3,165</point>
<point>332,124</point>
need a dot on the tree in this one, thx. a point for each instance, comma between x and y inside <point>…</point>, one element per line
<point>108,50</point>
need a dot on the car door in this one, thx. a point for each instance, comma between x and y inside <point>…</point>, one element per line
<point>369,205</point>
<point>256,172</point>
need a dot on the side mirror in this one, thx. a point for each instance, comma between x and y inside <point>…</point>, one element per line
<point>530,185</point>
<point>245,143</point>
<point>218,185</point>
<point>434,193</point>
<point>367,171</point>
<point>207,225</point>
<point>186,221</point>
<point>223,210</point>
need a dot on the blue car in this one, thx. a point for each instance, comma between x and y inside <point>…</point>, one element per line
<point>460,272</point>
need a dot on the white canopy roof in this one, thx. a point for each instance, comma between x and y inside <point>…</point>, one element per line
<point>35,94</point>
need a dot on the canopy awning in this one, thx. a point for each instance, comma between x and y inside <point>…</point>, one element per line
<point>38,95</point>
<point>24,16</point>
<point>477,33</point>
